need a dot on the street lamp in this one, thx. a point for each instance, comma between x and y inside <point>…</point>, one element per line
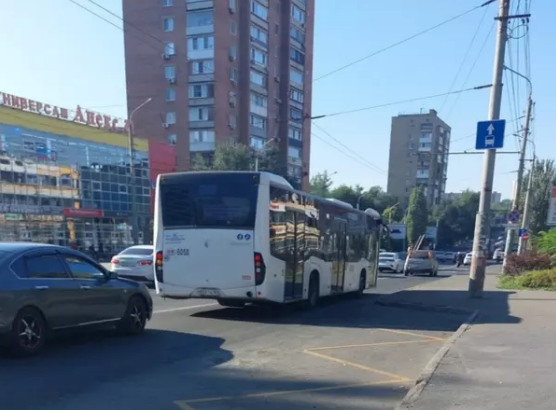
<point>131,149</point>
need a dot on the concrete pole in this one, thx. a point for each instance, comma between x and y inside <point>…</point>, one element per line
<point>526,208</point>
<point>478,262</point>
<point>510,235</point>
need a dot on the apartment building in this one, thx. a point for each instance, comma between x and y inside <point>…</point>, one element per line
<point>222,70</point>
<point>419,145</point>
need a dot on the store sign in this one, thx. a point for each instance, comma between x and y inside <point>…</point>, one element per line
<point>29,209</point>
<point>551,219</point>
<point>79,115</point>
<point>83,213</point>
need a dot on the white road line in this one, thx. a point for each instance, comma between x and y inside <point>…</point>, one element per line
<point>184,308</point>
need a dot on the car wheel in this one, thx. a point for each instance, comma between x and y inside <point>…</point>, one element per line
<point>313,294</point>
<point>230,303</point>
<point>135,317</point>
<point>28,332</point>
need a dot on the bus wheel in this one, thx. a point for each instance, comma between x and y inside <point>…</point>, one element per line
<point>313,294</point>
<point>230,303</point>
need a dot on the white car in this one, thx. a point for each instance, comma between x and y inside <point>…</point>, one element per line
<point>498,255</point>
<point>467,259</point>
<point>135,262</point>
<point>390,261</point>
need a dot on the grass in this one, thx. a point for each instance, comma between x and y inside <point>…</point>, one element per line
<point>532,280</point>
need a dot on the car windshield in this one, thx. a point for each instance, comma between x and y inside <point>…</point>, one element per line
<point>137,251</point>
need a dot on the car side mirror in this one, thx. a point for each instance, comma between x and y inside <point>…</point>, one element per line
<point>113,275</point>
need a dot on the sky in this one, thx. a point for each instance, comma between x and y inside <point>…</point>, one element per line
<point>61,54</point>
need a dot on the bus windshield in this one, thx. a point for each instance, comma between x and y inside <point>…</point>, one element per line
<point>210,200</point>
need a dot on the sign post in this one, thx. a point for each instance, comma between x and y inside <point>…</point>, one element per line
<point>490,134</point>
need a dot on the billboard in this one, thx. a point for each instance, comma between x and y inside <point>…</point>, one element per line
<point>397,231</point>
<point>551,219</point>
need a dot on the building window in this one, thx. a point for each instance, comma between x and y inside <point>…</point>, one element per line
<point>297,34</point>
<point>295,115</point>
<point>297,56</point>
<point>258,57</point>
<point>233,52</point>
<point>202,67</point>
<point>259,10</point>
<point>296,76</point>
<point>259,35</point>
<point>168,24</point>
<point>259,100</point>
<point>296,95</point>
<point>170,117</point>
<point>200,18</point>
<point>172,139</point>
<point>232,5</point>
<point>169,72</point>
<point>294,152</point>
<point>200,43</point>
<point>201,114</point>
<point>257,121</point>
<point>170,94</point>
<point>295,133</point>
<point>297,14</point>
<point>167,3</point>
<point>233,28</point>
<point>232,121</point>
<point>258,78</point>
<point>201,136</point>
<point>170,48</point>
<point>233,75</point>
<point>256,143</point>
<point>201,91</point>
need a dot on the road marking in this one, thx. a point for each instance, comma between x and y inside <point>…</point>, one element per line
<point>184,308</point>
<point>357,366</point>
<point>185,404</point>
<point>403,342</point>
<point>403,332</point>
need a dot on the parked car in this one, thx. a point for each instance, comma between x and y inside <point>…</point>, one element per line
<point>498,255</point>
<point>450,256</point>
<point>421,261</point>
<point>390,261</point>
<point>467,259</point>
<point>135,262</point>
<point>46,288</point>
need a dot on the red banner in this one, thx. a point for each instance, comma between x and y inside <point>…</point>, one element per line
<point>83,213</point>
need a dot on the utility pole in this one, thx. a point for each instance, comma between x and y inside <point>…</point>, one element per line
<point>131,151</point>
<point>526,207</point>
<point>510,235</point>
<point>478,262</point>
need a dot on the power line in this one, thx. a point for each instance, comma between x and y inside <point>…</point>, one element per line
<point>369,164</point>
<point>464,58</point>
<point>405,40</point>
<point>428,97</point>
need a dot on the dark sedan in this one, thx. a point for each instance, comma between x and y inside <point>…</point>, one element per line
<point>45,288</point>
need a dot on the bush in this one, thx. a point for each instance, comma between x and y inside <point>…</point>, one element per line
<point>539,279</point>
<point>529,261</point>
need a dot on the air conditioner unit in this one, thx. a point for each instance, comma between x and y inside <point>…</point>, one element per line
<point>232,126</point>
<point>278,100</point>
<point>277,79</point>
<point>165,56</point>
<point>165,125</point>
<point>231,58</point>
<point>233,81</point>
<point>172,80</point>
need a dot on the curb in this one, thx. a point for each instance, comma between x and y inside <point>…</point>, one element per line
<point>427,373</point>
<point>424,307</point>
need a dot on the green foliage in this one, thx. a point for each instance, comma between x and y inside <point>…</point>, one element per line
<point>456,219</point>
<point>545,242</point>
<point>320,184</point>
<point>539,280</point>
<point>544,177</point>
<point>417,215</point>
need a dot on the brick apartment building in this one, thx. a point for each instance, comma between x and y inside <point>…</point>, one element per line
<point>222,70</point>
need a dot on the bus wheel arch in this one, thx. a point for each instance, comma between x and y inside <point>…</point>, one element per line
<point>362,282</point>
<point>313,293</point>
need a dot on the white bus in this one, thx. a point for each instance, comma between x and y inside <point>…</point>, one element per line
<point>249,237</point>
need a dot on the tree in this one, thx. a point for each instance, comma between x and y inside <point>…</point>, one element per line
<point>417,215</point>
<point>544,178</point>
<point>456,218</point>
<point>320,184</point>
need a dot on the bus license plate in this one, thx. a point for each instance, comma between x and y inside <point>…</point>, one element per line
<point>207,293</point>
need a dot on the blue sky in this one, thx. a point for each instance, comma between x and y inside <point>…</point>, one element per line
<point>61,54</point>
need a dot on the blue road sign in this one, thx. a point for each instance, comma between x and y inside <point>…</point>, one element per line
<point>522,232</point>
<point>513,216</point>
<point>490,134</point>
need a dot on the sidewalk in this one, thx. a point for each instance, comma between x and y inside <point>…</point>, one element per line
<point>505,360</point>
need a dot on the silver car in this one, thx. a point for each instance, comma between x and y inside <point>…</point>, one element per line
<point>421,261</point>
<point>135,262</point>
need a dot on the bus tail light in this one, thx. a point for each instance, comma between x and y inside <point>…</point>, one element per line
<point>260,269</point>
<point>159,267</point>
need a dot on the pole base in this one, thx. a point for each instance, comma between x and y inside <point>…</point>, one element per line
<point>476,286</point>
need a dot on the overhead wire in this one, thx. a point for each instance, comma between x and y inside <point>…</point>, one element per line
<point>405,40</point>
<point>462,64</point>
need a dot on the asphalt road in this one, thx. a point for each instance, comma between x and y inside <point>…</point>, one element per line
<point>348,354</point>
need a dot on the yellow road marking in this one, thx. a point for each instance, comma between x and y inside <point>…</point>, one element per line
<point>185,404</point>
<point>404,342</point>
<point>403,332</point>
<point>356,365</point>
